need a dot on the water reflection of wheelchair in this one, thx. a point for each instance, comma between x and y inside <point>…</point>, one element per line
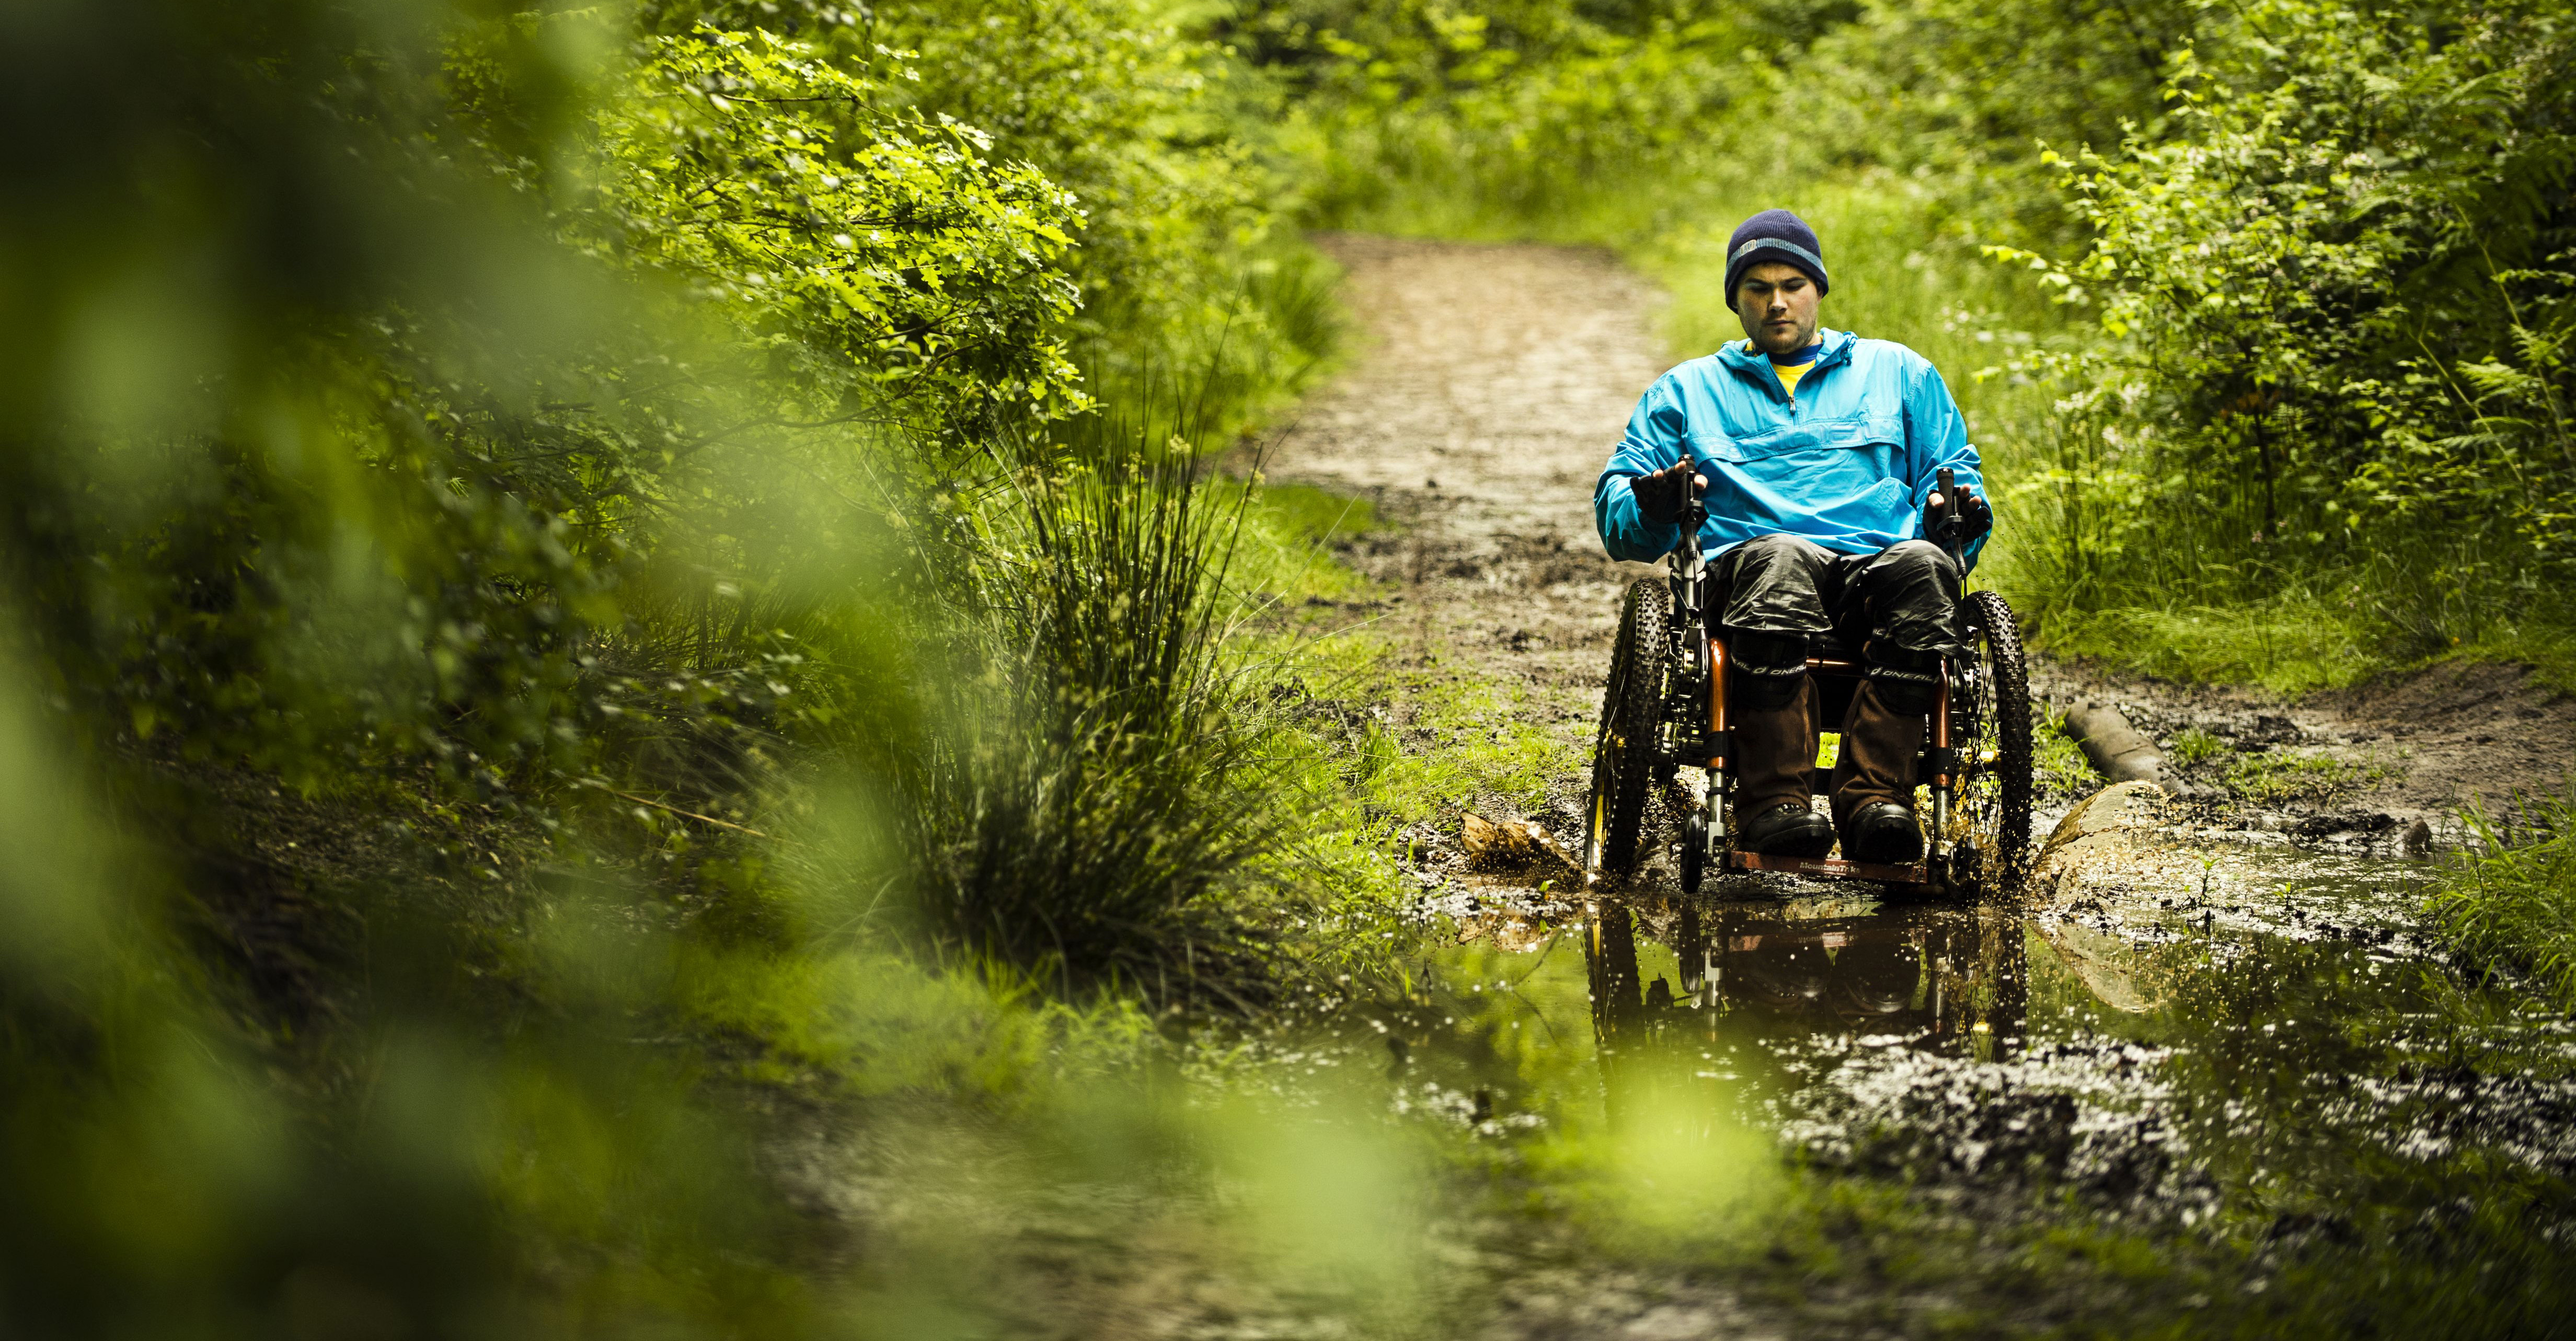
<point>1665,710</point>
<point>1943,978</point>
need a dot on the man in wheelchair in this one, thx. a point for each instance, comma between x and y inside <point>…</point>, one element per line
<point>1816,454</point>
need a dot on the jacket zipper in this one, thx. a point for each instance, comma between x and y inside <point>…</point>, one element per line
<point>1812,370</point>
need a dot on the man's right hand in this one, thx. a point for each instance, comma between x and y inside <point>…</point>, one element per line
<point>1660,496</point>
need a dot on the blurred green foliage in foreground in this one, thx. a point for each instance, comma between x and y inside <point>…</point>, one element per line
<point>582,582</point>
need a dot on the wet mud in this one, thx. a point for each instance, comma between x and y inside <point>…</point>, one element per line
<point>2183,1033</point>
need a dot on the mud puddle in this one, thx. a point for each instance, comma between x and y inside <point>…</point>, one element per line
<point>2239,1045</point>
<point>2267,1043</point>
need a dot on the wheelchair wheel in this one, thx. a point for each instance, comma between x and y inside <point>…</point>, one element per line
<point>1990,819</point>
<point>1624,759</point>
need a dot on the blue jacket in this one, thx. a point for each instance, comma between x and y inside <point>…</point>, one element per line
<point>1848,464</point>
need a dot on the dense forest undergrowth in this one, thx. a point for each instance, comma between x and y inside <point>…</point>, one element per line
<point>592,584</point>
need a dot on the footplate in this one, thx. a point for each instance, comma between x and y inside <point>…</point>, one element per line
<point>1830,868</point>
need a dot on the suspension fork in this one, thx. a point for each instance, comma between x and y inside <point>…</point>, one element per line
<point>1945,765</point>
<point>1720,775</point>
<point>1690,580</point>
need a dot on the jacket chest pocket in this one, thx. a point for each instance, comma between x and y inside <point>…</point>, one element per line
<point>1841,433</point>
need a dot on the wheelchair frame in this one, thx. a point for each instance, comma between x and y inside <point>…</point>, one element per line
<point>1967,853</point>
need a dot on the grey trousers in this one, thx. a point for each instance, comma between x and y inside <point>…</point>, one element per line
<point>1899,600</point>
<point>1780,594</point>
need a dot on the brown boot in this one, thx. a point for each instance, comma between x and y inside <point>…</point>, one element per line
<point>1775,769</point>
<point>1875,764</point>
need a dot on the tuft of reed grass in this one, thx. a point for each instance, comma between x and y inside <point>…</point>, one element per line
<point>2512,902</point>
<point>1093,810</point>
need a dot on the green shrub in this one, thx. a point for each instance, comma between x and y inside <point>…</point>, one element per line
<point>2059,765</point>
<point>2333,301</point>
<point>2193,745</point>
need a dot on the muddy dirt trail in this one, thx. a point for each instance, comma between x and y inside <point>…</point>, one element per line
<point>1488,385</point>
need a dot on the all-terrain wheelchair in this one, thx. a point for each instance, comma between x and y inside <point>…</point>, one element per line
<point>1665,709</point>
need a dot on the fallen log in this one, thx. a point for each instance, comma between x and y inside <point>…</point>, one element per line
<point>2119,751</point>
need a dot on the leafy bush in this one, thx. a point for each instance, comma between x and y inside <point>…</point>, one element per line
<point>2334,299</point>
<point>476,486</point>
<point>1441,120</point>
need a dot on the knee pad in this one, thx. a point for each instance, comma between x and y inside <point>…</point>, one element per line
<point>1907,682</point>
<point>1765,671</point>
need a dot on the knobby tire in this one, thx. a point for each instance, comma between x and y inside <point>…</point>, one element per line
<point>1623,749</point>
<point>2001,818</point>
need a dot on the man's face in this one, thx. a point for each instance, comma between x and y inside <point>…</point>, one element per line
<point>1777,304</point>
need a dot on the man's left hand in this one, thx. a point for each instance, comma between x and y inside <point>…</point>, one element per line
<point>1975,516</point>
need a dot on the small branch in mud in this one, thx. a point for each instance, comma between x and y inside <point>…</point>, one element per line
<point>1513,845</point>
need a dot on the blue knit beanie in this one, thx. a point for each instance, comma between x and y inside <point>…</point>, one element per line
<point>1775,235</point>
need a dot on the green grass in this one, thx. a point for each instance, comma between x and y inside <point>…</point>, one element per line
<point>2194,746</point>
<point>2549,651</point>
<point>2289,645</point>
<point>2283,777</point>
<point>1284,552</point>
<point>2513,903</point>
<point>2058,764</point>
<point>1426,733</point>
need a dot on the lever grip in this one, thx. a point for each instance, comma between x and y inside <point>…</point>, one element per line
<point>1948,484</point>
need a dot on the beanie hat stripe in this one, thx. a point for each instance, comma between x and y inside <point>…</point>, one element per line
<point>1779,232</point>
<point>1813,261</point>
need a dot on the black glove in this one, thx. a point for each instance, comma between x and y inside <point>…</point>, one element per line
<point>1660,496</point>
<point>1976,517</point>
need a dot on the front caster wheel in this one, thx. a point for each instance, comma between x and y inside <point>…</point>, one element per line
<point>1694,851</point>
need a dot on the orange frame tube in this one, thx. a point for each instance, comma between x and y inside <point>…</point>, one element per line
<point>1716,697</point>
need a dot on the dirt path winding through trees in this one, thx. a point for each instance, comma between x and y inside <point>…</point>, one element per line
<point>1489,384</point>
